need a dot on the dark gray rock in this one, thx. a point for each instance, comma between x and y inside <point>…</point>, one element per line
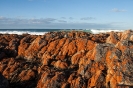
<point>3,82</point>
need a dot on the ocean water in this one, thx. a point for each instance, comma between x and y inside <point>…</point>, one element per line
<point>43,31</point>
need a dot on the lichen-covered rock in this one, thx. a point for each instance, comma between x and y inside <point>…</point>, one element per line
<point>73,59</point>
<point>113,38</point>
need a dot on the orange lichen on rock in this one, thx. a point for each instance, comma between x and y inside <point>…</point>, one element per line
<point>72,59</point>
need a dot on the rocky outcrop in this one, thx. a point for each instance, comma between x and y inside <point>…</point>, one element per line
<point>67,60</point>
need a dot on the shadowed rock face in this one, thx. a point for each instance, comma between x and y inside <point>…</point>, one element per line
<point>3,82</point>
<point>67,60</point>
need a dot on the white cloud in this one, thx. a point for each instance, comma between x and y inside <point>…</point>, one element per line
<point>71,18</point>
<point>118,10</point>
<point>52,23</point>
<point>1,17</point>
<point>62,21</point>
<point>87,18</point>
<point>63,17</point>
<point>5,20</point>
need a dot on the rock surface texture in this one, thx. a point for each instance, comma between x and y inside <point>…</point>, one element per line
<point>67,60</point>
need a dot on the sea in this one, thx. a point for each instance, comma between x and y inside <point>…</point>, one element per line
<point>43,31</point>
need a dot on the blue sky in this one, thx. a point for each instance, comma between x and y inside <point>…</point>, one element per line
<point>63,14</point>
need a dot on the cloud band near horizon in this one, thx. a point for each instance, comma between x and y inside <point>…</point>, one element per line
<point>61,23</point>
